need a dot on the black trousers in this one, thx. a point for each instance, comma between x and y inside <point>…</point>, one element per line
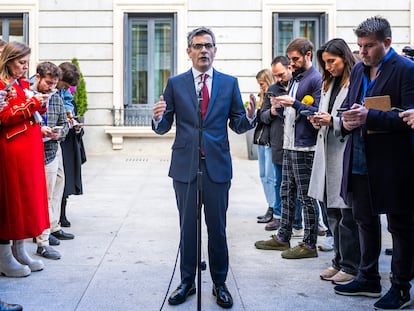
<point>401,227</point>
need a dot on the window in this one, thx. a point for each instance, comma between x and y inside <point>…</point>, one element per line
<point>14,27</point>
<point>288,26</point>
<point>150,59</point>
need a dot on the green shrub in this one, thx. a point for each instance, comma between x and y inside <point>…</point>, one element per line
<point>80,96</point>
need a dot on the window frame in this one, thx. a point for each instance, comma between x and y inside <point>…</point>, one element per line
<point>6,17</point>
<point>321,29</point>
<point>151,19</point>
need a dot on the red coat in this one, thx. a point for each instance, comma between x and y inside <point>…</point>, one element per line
<point>23,193</point>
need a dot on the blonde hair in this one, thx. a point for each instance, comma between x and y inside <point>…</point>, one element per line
<point>266,76</point>
<point>12,51</point>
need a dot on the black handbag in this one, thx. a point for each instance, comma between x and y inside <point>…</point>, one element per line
<point>261,134</point>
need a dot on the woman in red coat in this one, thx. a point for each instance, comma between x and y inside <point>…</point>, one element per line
<point>23,193</point>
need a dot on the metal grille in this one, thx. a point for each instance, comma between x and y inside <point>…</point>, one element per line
<point>137,115</point>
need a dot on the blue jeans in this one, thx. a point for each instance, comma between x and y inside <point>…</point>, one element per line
<point>277,208</point>
<point>267,173</point>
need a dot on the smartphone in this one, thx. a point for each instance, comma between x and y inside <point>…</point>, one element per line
<point>307,113</point>
<point>57,128</point>
<point>8,86</point>
<point>340,110</point>
<point>396,109</point>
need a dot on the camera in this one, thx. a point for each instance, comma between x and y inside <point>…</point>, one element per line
<point>408,52</point>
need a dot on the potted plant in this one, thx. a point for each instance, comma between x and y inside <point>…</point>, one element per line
<point>80,96</point>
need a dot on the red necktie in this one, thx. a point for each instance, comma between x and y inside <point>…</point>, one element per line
<point>204,93</point>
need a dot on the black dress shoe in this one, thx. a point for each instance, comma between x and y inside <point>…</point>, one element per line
<point>10,307</point>
<point>181,293</point>
<point>223,296</point>
<point>62,235</point>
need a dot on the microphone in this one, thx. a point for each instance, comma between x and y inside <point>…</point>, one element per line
<point>198,91</point>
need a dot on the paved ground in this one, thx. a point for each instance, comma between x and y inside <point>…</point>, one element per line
<point>122,258</point>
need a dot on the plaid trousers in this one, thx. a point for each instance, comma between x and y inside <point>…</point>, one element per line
<point>296,172</point>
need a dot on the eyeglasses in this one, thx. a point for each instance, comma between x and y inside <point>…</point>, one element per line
<point>199,46</point>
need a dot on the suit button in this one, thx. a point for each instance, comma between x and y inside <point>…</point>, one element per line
<point>342,140</point>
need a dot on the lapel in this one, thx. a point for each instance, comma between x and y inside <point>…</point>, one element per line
<point>384,76</point>
<point>356,82</point>
<point>338,100</point>
<point>189,86</point>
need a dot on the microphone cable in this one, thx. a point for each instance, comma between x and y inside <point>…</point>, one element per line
<point>195,127</point>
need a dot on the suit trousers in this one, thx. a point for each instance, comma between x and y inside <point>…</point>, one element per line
<point>55,179</point>
<point>346,240</point>
<point>401,227</point>
<point>215,202</point>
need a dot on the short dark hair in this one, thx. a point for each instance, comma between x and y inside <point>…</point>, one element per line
<point>70,73</point>
<point>301,45</point>
<point>47,68</point>
<point>198,32</point>
<point>281,59</point>
<point>376,25</point>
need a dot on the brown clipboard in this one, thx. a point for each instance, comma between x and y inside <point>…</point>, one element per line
<point>382,103</point>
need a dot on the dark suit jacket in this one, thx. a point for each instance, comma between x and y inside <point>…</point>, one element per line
<point>389,159</point>
<point>276,124</point>
<point>225,108</point>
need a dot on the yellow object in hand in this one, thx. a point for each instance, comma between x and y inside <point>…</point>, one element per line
<point>307,100</point>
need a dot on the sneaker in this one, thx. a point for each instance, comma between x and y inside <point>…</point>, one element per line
<point>53,240</point>
<point>394,299</point>
<point>300,251</point>
<point>326,245</point>
<point>328,273</point>
<point>297,233</point>
<point>274,224</point>
<point>342,278</point>
<point>273,244</point>
<point>321,230</point>
<point>48,252</point>
<point>356,288</point>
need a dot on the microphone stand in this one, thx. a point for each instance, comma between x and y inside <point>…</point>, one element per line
<point>200,264</point>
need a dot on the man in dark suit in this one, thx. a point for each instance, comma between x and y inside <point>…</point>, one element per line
<point>225,106</point>
<point>379,165</point>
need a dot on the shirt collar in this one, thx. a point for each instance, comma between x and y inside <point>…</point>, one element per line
<point>196,73</point>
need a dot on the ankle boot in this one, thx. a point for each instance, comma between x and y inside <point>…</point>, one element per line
<point>9,266</point>
<point>266,217</point>
<point>64,222</point>
<point>19,252</point>
<point>4,306</point>
<point>263,216</point>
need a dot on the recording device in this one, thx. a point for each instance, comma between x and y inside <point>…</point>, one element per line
<point>307,113</point>
<point>408,52</point>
